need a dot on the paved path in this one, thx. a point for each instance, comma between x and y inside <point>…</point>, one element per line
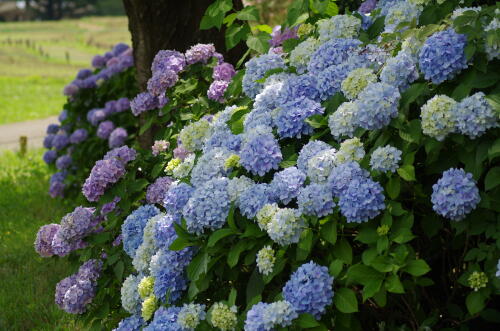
<point>34,130</point>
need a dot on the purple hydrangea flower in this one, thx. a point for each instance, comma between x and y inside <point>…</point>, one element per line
<point>47,141</point>
<point>157,190</point>
<point>44,237</point>
<point>180,152</point>
<point>168,60</point>
<point>224,71</point>
<point>367,6</point>
<point>84,73</point>
<point>199,53</point>
<point>63,115</point>
<point>78,136</point>
<point>217,89</point>
<point>260,154</point>
<point>117,137</point>
<point>63,162</point>
<point>455,194</point>
<point>310,289</point>
<point>49,156</point>
<point>104,129</point>
<point>103,174</point>
<point>143,102</point>
<point>119,49</point>
<point>121,105</point>
<point>52,128</point>
<point>278,36</point>
<point>70,90</point>
<point>110,206</point>
<point>124,154</point>
<point>98,61</point>
<point>161,81</point>
<point>95,116</point>
<point>60,141</point>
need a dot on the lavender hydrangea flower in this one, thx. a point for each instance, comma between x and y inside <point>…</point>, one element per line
<point>157,190</point>
<point>367,6</point>
<point>180,152</point>
<point>308,151</point>
<point>165,319</point>
<point>164,231</point>
<point>168,60</point>
<point>117,137</point>
<point>104,129</point>
<point>119,49</point>
<point>78,136</point>
<point>208,207</point>
<point>266,316</point>
<point>399,71</point>
<point>377,105</point>
<point>161,81</point>
<point>60,141</point>
<point>278,37</point>
<point>121,105</point>
<point>256,68</point>
<point>132,323</point>
<point>159,146</point>
<point>52,129</point>
<point>315,200</point>
<point>63,162</point>
<point>70,90</point>
<point>133,227</point>
<point>44,237</point>
<point>124,154</point>
<point>104,173</point>
<point>385,159</point>
<point>95,116</point>
<point>47,141</point>
<point>110,206</point>
<point>292,115</point>
<point>286,184</point>
<point>217,89</point>
<point>310,289</point>
<point>474,116</point>
<point>260,154</point>
<point>442,56</point>
<point>455,194</point>
<point>333,52</point>
<point>176,197</point>
<point>98,61</point>
<point>362,200</point>
<point>224,71</point>
<point>49,156</point>
<point>200,53</point>
<point>77,224</point>
<point>143,102</point>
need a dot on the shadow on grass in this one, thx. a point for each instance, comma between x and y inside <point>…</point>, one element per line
<point>27,281</point>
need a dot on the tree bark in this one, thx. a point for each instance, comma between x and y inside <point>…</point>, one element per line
<point>169,24</point>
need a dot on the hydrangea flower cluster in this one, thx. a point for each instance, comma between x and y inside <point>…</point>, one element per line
<point>265,260</point>
<point>266,316</point>
<point>286,184</point>
<point>401,12</point>
<point>300,55</point>
<point>338,26</point>
<point>385,159</point>
<point>442,56</point>
<point>256,69</point>
<point>223,316</point>
<point>455,194</point>
<point>157,190</point>
<point>310,289</point>
<point>356,81</point>
<point>133,227</point>
<point>190,316</point>
<point>176,198</point>
<point>132,323</point>
<point>438,117</point>
<point>474,116</point>
<point>131,300</point>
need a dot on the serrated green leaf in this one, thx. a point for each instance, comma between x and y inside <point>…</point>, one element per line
<point>394,285</point>
<point>305,244</point>
<point>343,251</point>
<point>329,231</point>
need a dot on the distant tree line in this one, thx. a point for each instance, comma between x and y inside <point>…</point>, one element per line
<point>58,9</point>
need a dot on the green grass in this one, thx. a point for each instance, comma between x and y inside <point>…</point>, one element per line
<point>27,280</point>
<point>37,59</point>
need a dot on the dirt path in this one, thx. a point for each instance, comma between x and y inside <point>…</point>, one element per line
<point>34,130</point>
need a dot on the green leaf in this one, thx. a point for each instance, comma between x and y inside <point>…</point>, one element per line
<point>317,121</point>
<point>305,244</point>
<point>492,179</point>
<point>494,149</point>
<point>382,264</point>
<point>118,270</point>
<point>377,27</point>
<point>218,235</point>
<point>234,254</point>
<point>371,288</point>
<point>307,321</point>
<point>367,235</point>
<point>329,231</point>
<point>264,28</point>
<point>249,13</point>
<point>255,285</point>
<point>407,172</point>
<point>236,33</point>
<point>232,297</point>
<point>149,121</point>
<point>417,268</point>
<point>198,266</point>
<point>475,302</point>
<point>138,185</point>
<point>259,43</point>
<point>393,284</point>
<point>393,187</point>
<point>412,93</point>
<point>363,275</point>
<point>180,243</point>
<point>335,267</point>
<point>343,251</point>
<point>345,300</point>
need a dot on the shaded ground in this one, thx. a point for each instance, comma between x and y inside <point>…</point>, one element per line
<point>27,281</point>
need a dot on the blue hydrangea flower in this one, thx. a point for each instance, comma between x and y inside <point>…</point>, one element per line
<point>333,52</point>
<point>308,151</point>
<point>52,128</point>
<point>253,199</point>
<point>301,54</point>
<point>266,316</point>
<point>285,227</point>
<point>238,185</point>
<point>210,165</point>
<point>442,56</point>
<point>399,71</point>
<point>362,200</point>
<point>168,269</point>
<point>315,200</point>
<point>164,231</point>
<point>133,227</point>
<point>165,319</point>
<point>60,141</point>
<point>256,68</point>
<point>474,116</point>
<point>257,117</point>
<point>148,246</point>
<point>401,12</point>
<point>176,198</point>
<point>377,105</point>
<point>330,79</point>
<point>49,156</point>
<point>78,136</point>
<point>338,26</point>
<point>455,194</point>
<point>260,153</point>
<point>292,115</point>
<point>132,323</point>
<point>342,122</point>
<point>385,159</point>
<point>286,184</point>
<point>208,207</point>
<point>297,87</point>
<point>310,289</point>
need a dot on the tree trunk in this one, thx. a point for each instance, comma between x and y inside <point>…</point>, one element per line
<point>169,24</point>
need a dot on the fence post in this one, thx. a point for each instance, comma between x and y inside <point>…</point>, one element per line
<point>23,144</point>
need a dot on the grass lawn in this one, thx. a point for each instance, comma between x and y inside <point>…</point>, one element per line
<point>37,59</point>
<point>27,280</point>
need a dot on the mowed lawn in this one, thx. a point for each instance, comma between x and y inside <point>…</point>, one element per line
<point>27,281</point>
<point>37,59</point>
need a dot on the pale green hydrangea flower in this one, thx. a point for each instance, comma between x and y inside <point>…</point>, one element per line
<point>342,121</point>
<point>265,215</point>
<point>183,169</point>
<point>266,260</point>
<point>223,316</point>
<point>148,247</point>
<point>350,150</point>
<point>477,280</point>
<point>232,161</point>
<point>356,81</point>
<point>190,316</point>
<point>301,54</point>
<point>145,287</point>
<point>193,136</point>
<point>172,164</point>
<point>437,116</point>
<point>149,306</point>
<point>339,26</point>
<point>238,185</point>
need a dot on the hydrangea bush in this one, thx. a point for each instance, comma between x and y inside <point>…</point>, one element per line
<point>348,180</point>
